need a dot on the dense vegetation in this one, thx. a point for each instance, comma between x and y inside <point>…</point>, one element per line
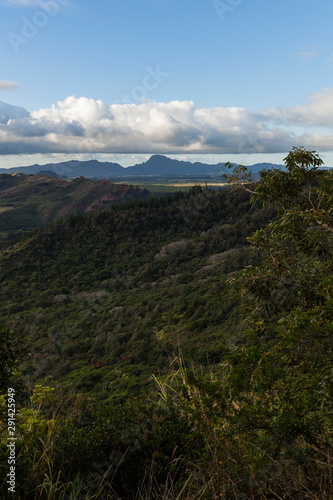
<point>31,201</point>
<point>201,366</point>
<point>123,290</point>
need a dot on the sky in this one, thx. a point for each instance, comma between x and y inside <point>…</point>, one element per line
<point>207,80</point>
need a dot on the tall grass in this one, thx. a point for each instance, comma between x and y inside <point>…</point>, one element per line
<point>176,445</point>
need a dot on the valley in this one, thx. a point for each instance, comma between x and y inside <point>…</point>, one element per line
<point>145,280</point>
<point>172,346</point>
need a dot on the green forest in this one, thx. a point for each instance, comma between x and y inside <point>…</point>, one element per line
<point>174,347</point>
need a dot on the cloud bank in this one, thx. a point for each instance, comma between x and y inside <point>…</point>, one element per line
<point>83,125</point>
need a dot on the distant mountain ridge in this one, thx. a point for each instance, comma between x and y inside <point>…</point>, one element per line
<point>71,168</point>
<point>155,166</point>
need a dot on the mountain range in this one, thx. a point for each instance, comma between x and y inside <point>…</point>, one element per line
<point>157,165</point>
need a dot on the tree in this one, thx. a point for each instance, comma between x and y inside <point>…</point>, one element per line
<point>296,247</point>
<point>282,377</point>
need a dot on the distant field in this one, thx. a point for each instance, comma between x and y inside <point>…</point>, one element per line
<point>171,187</point>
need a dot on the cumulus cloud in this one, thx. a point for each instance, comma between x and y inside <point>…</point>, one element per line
<point>83,125</point>
<point>318,111</point>
<point>9,112</point>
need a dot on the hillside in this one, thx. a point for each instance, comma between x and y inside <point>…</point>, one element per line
<point>176,347</point>
<point>125,289</point>
<point>31,201</point>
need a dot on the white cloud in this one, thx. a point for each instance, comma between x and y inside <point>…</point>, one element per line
<point>307,55</point>
<point>308,52</point>
<point>83,125</point>
<point>318,111</point>
<point>9,112</point>
<point>6,85</point>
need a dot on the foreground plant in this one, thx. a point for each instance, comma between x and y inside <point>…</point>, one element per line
<point>281,380</point>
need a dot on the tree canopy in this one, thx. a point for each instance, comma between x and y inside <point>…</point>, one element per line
<point>282,378</point>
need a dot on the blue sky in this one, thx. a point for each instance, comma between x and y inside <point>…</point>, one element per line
<point>119,80</point>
